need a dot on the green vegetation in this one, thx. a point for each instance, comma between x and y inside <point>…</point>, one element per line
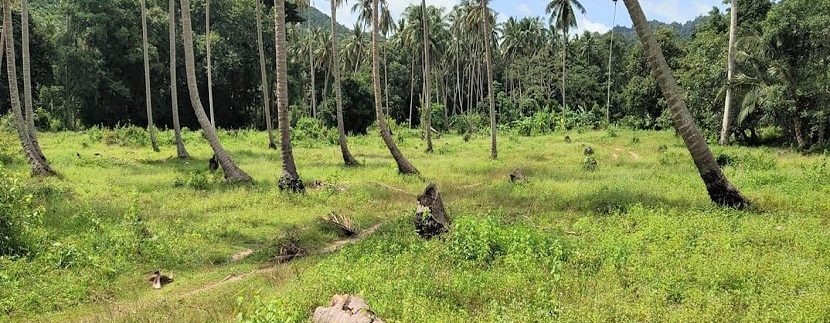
<point>635,239</point>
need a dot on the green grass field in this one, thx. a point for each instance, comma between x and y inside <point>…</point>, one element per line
<point>634,240</point>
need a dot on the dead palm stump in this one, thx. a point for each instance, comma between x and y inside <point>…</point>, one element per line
<point>345,309</point>
<point>430,218</point>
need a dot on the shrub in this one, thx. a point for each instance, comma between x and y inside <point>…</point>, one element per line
<point>310,130</point>
<point>19,219</point>
<point>590,164</point>
<point>9,149</point>
<point>199,181</point>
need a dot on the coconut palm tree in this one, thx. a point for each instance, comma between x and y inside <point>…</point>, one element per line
<point>563,16</point>
<point>209,62</point>
<point>181,152</point>
<point>289,180</point>
<point>305,6</point>
<point>355,47</point>
<point>730,71</point>
<point>232,172</point>
<point>426,104</point>
<point>364,16</point>
<point>610,55</point>
<point>147,96</point>
<point>720,190</point>
<point>27,77</point>
<point>266,97</point>
<point>348,159</point>
<point>488,34</point>
<point>404,166</point>
<point>38,163</point>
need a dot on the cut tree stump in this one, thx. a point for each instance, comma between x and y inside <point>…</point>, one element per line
<point>345,309</point>
<point>517,177</point>
<point>430,217</point>
<point>157,280</point>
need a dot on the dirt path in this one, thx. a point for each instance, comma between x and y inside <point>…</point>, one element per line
<point>117,311</point>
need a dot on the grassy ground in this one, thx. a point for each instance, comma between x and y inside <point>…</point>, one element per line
<point>634,240</point>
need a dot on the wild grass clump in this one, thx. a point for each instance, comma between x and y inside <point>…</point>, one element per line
<point>199,180</point>
<point>310,131</point>
<point>10,152</point>
<point>20,219</point>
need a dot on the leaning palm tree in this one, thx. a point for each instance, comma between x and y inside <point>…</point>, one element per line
<point>151,129</point>
<point>209,62</point>
<point>181,152</point>
<point>232,172</point>
<point>563,16</point>
<point>730,71</point>
<point>404,166</point>
<point>305,6</point>
<point>338,92</point>
<point>720,190</point>
<point>39,164</point>
<point>289,180</point>
<point>426,105</point>
<point>27,76</point>
<point>266,98</point>
<point>488,33</point>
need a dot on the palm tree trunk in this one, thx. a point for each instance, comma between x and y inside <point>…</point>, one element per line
<point>348,159</point>
<point>38,163</point>
<point>426,106</point>
<point>564,60</point>
<point>232,172</point>
<point>266,96</point>
<point>386,75</point>
<point>181,152</point>
<point>290,179</point>
<point>610,55</point>
<point>209,63</point>
<point>27,78</point>
<point>718,186</point>
<point>488,51</point>
<point>404,166</point>
<point>726,131</point>
<point>411,89</point>
<point>151,129</point>
<point>311,69</point>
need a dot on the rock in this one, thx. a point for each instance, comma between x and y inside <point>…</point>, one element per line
<point>517,177</point>
<point>242,254</point>
<point>345,309</point>
<point>430,217</point>
<point>588,151</point>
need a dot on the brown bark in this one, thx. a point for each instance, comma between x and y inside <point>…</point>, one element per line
<point>720,189</point>
<point>426,102</point>
<point>726,130</point>
<point>29,112</point>
<point>151,129</point>
<point>290,179</point>
<point>232,172</point>
<point>181,152</point>
<point>494,154</point>
<point>266,97</point>
<point>38,163</point>
<point>348,159</point>
<point>404,166</point>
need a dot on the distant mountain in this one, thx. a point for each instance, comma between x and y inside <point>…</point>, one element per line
<point>684,30</point>
<point>323,21</point>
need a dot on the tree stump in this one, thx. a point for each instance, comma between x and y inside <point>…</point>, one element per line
<point>517,177</point>
<point>430,218</point>
<point>588,151</point>
<point>345,309</point>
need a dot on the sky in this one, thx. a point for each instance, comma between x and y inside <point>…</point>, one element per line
<point>599,18</point>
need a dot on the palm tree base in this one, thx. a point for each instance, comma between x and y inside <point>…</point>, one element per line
<point>288,182</point>
<point>272,146</point>
<point>722,192</point>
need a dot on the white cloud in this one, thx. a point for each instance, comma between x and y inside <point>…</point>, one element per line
<point>588,25</point>
<point>524,10</point>
<point>674,10</point>
<point>396,7</point>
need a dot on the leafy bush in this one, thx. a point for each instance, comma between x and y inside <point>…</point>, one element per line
<point>358,107</point>
<point>19,219</point>
<point>310,130</point>
<point>539,123</point>
<point>199,181</point>
<point>9,149</point>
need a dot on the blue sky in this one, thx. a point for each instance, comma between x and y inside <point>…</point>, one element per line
<point>599,17</point>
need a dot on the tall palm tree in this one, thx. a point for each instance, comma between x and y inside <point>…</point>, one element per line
<point>27,76</point>
<point>488,34</point>
<point>404,166</point>
<point>266,97</point>
<point>209,62</point>
<point>610,55</point>
<point>727,108</point>
<point>305,6</point>
<point>348,159</point>
<point>232,172</point>
<point>426,103</point>
<point>289,180</point>
<point>720,190</point>
<point>38,163</point>
<point>387,23</point>
<point>181,152</point>
<point>563,16</point>
<point>147,96</point>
